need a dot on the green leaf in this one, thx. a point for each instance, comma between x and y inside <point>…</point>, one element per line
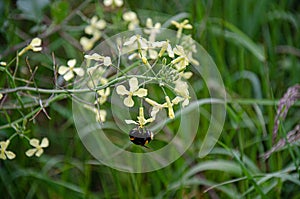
<point>32,9</point>
<point>236,36</point>
<point>59,11</point>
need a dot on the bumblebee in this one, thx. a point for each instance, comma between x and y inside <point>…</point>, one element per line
<point>140,136</point>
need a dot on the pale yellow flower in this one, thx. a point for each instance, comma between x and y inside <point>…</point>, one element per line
<point>1,95</point>
<point>156,107</point>
<point>95,56</point>
<point>68,71</point>
<point>152,30</point>
<point>137,42</point>
<point>38,150</point>
<point>117,3</point>
<point>181,88</point>
<point>35,45</point>
<point>168,104</point>
<point>103,93</point>
<point>134,90</point>
<point>86,43</point>
<point>181,26</point>
<point>165,46</point>
<point>141,121</point>
<point>4,153</point>
<point>3,63</point>
<point>182,60</point>
<point>131,17</point>
<point>100,115</point>
<point>95,25</point>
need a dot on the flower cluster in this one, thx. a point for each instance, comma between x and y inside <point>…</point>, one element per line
<point>37,150</point>
<point>94,30</point>
<point>170,73</point>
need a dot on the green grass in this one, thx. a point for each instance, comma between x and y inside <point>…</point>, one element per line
<point>255,45</point>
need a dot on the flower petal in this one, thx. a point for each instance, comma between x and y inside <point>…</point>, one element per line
<point>36,42</point>
<point>69,75</point>
<point>79,71</point>
<point>71,62</point>
<point>133,84</point>
<point>34,142</point>
<point>39,152</point>
<point>10,155</point>
<point>2,156</point>
<point>45,142</point>
<point>142,92</point>
<point>154,111</point>
<point>121,90</point>
<point>63,69</point>
<point>128,101</point>
<point>107,61</point>
<point>130,122</point>
<point>30,152</point>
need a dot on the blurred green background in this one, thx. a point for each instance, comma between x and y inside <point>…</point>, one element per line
<point>255,45</point>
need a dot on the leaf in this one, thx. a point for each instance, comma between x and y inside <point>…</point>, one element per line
<point>59,11</point>
<point>237,36</point>
<point>32,9</point>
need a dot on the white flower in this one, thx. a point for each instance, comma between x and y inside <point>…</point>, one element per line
<point>131,17</point>
<point>181,88</point>
<point>137,42</point>
<point>68,72</point>
<point>152,30</point>
<point>3,63</point>
<point>182,61</point>
<point>38,150</point>
<point>1,95</point>
<point>103,93</point>
<point>168,104</point>
<point>133,91</point>
<point>100,115</point>
<point>156,107</point>
<point>95,25</point>
<point>181,26</point>
<point>165,46</point>
<point>4,153</point>
<point>35,45</point>
<point>117,3</point>
<point>95,56</point>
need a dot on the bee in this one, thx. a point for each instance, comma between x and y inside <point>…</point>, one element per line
<point>140,136</point>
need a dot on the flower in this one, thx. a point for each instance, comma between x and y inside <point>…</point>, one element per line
<point>35,45</point>
<point>86,43</point>
<point>168,104</point>
<point>1,95</point>
<point>3,153</point>
<point>95,56</point>
<point>156,107</point>
<point>133,91</point>
<point>182,61</point>
<point>141,121</point>
<point>165,46</point>
<point>181,88</point>
<point>131,17</point>
<point>100,114</point>
<point>137,42</point>
<point>152,30</point>
<point>3,63</point>
<point>95,26</point>
<point>103,93</point>
<point>68,72</point>
<point>181,26</point>
<point>38,150</point>
<point>117,3</point>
